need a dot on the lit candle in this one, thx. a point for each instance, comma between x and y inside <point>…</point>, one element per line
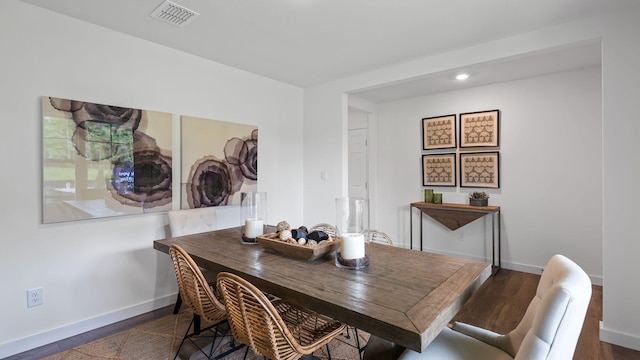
<point>253,227</point>
<point>352,246</point>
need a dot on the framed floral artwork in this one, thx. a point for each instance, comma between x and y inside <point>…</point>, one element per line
<point>104,160</point>
<point>480,129</point>
<point>439,132</point>
<point>219,162</point>
<point>480,170</point>
<point>439,170</point>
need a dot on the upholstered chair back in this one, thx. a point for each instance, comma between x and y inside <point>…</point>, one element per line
<point>552,323</point>
<point>192,221</point>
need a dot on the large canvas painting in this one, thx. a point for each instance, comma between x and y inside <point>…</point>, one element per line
<point>102,160</point>
<point>219,161</point>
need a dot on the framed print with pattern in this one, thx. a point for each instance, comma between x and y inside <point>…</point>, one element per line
<point>480,129</point>
<point>480,170</point>
<point>439,170</point>
<point>439,132</point>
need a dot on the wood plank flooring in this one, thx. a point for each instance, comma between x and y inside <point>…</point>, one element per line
<point>503,299</point>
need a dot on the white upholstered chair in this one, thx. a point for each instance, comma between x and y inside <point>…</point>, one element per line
<point>549,329</point>
<point>192,221</point>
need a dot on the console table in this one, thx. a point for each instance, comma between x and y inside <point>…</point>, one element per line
<point>454,216</point>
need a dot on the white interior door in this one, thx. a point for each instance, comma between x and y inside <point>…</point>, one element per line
<point>358,181</point>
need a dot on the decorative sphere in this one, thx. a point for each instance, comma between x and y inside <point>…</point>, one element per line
<point>285,235</point>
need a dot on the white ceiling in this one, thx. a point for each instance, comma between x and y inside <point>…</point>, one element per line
<point>308,42</point>
<point>570,57</point>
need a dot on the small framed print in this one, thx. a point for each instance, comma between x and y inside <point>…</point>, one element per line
<point>439,132</point>
<point>439,170</point>
<point>480,170</point>
<point>480,129</point>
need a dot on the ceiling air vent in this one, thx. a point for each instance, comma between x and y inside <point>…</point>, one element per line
<point>174,14</point>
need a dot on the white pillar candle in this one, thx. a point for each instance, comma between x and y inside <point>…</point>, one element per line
<point>253,227</point>
<point>352,246</point>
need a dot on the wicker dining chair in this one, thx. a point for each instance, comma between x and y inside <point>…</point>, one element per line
<point>327,228</point>
<point>379,237</point>
<point>199,296</point>
<point>276,330</point>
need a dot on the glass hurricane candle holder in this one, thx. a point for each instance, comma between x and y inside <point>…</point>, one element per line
<point>352,226</point>
<point>253,210</point>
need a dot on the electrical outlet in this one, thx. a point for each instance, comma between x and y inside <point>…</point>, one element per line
<point>34,297</point>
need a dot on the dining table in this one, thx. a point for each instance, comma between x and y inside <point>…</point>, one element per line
<point>403,296</point>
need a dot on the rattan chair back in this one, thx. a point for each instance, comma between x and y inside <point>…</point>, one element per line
<point>327,228</point>
<point>276,330</point>
<point>194,289</point>
<point>380,237</point>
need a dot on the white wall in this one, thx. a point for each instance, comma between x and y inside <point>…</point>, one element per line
<point>96,272</point>
<point>621,126</point>
<point>325,150</point>
<point>551,156</point>
<point>621,169</point>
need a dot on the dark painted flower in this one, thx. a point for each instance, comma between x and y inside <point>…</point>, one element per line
<point>127,118</point>
<point>211,183</point>
<point>66,105</point>
<point>243,153</point>
<point>151,174</point>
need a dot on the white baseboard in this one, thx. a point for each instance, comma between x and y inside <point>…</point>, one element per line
<point>63,332</point>
<point>618,338</point>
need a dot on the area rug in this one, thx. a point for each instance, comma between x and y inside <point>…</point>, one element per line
<point>160,338</point>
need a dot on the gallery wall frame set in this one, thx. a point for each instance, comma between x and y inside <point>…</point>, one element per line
<point>103,160</point>
<point>473,131</point>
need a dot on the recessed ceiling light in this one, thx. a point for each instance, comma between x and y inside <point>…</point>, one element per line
<point>462,76</point>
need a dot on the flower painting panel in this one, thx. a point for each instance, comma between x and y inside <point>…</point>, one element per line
<point>480,129</point>
<point>439,132</point>
<point>439,170</point>
<point>480,170</point>
<point>103,160</point>
<point>219,161</point>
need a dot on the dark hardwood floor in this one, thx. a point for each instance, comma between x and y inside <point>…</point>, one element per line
<point>503,299</point>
